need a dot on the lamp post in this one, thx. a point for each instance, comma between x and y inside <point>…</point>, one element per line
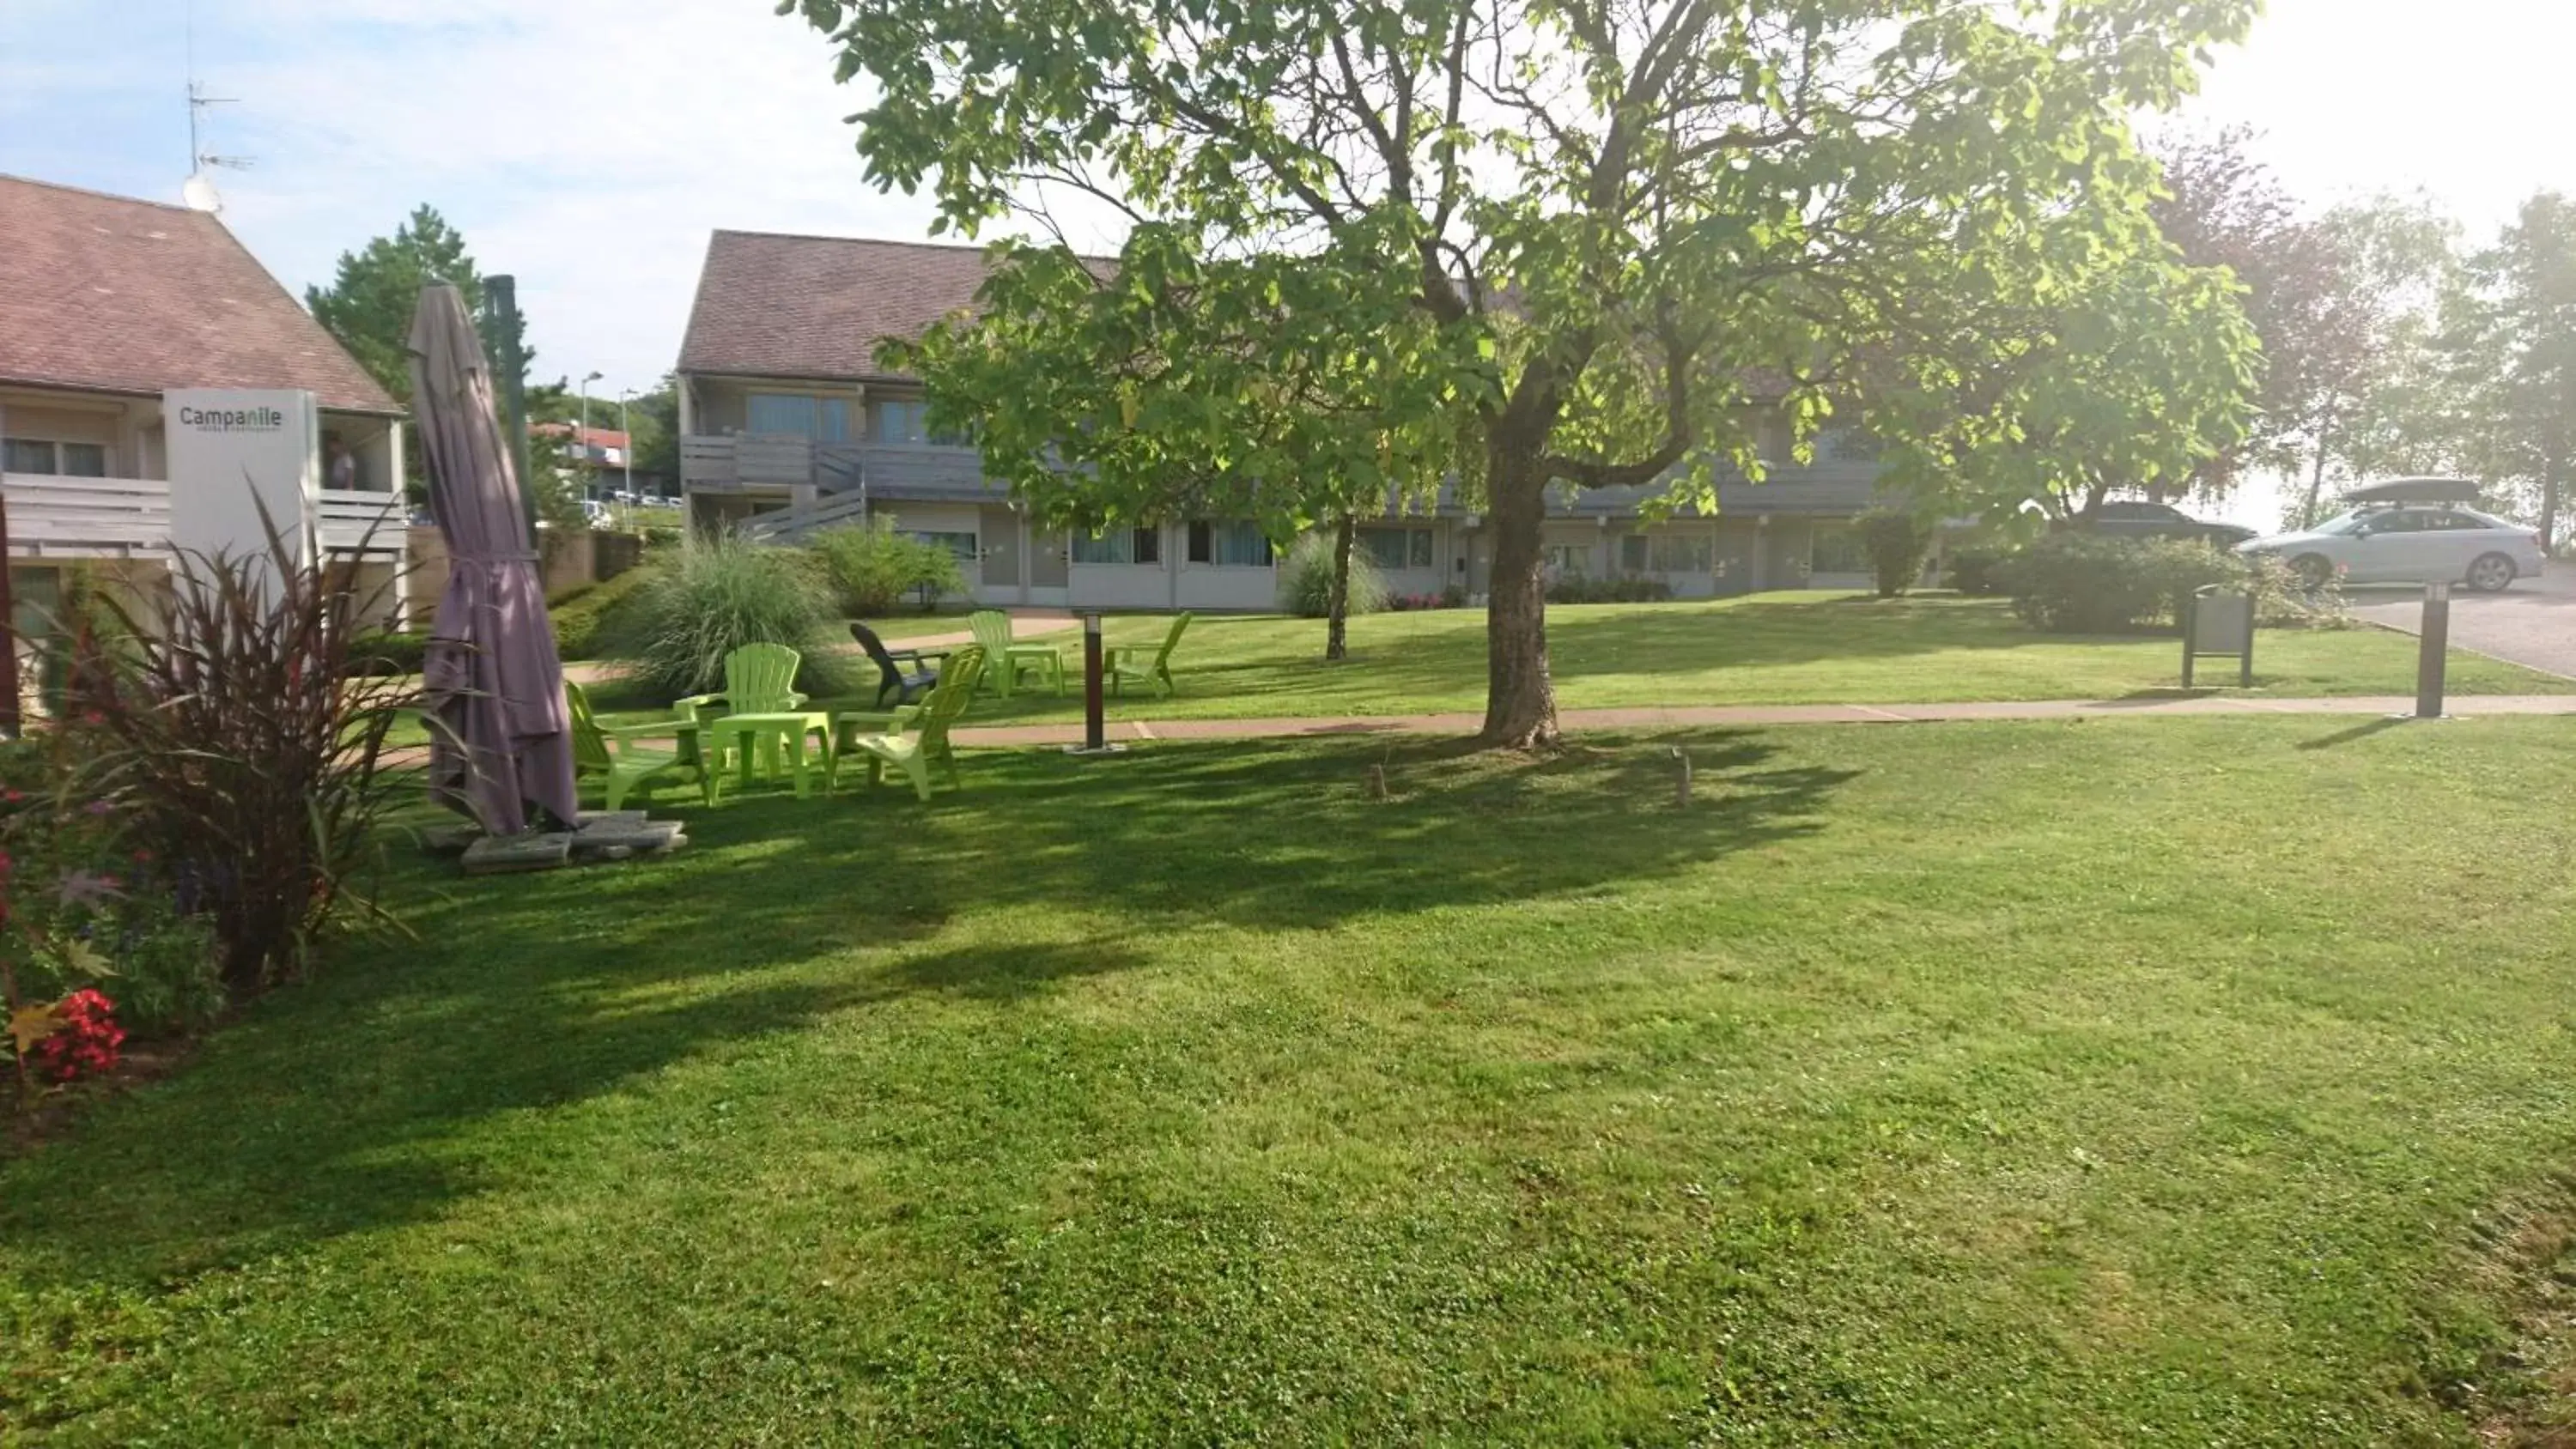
<point>627,454</point>
<point>1095,739</point>
<point>581,440</point>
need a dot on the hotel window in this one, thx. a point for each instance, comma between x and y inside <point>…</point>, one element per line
<point>1397,548</point>
<point>1680,553</point>
<point>1568,559</point>
<point>822,419</point>
<point>960,544</point>
<point>1119,546</point>
<point>1837,550</point>
<point>44,456</point>
<point>1229,545</point>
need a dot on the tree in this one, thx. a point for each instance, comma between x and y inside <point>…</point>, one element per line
<point>2374,393</point>
<point>1563,233</point>
<point>370,301</point>
<point>2513,339</point>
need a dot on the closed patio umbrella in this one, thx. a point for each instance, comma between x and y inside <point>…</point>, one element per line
<point>501,740</point>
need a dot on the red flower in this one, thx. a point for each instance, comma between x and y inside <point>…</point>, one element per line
<point>87,1044</point>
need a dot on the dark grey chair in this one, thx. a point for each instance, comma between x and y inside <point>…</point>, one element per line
<point>906,674</point>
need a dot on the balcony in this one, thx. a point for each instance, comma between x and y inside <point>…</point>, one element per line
<point>777,463</point>
<point>72,518</point>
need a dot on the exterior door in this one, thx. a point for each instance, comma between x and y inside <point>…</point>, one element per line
<point>998,542</point>
<point>2395,549</point>
<point>2465,538</point>
<point>1050,566</point>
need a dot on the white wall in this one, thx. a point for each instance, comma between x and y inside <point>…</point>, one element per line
<point>1121,586</point>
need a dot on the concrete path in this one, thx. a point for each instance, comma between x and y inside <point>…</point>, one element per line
<point>1699,716</point>
<point>2532,624</point>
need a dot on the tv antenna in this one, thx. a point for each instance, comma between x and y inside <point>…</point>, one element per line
<point>199,190</point>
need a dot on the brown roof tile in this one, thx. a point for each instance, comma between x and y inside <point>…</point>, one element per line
<point>120,295</point>
<point>814,306</point>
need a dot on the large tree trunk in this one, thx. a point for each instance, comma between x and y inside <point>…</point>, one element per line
<point>1337,605</point>
<point>1520,699</point>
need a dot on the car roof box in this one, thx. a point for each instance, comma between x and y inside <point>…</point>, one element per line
<point>2416,490</point>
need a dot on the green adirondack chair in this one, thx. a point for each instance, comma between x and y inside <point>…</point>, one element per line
<point>759,679</point>
<point>1123,663</point>
<point>1004,661</point>
<point>916,753</point>
<point>610,751</point>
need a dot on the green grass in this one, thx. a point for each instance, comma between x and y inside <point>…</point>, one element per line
<point>2135,1082</point>
<point>1801,648</point>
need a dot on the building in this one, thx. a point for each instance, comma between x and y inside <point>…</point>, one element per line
<point>107,303</point>
<point>787,418</point>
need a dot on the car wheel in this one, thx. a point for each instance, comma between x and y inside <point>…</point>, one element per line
<point>2312,570</point>
<point>2493,573</point>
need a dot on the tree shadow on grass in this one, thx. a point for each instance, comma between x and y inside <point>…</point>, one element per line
<point>348,1105</point>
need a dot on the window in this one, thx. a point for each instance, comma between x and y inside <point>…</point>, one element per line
<point>960,544</point>
<point>1847,443</point>
<point>1229,545</point>
<point>1837,550</point>
<point>1119,546</point>
<point>1568,558</point>
<point>1632,554</point>
<point>906,422</point>
<point>823,419</point>
<point>1397,548</point>
<point>44,456</point>
<point>1681,553</point>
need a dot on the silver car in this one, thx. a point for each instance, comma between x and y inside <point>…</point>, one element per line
<point>2423,543</point>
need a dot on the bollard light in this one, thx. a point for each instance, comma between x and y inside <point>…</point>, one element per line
<point>1095,737</point>
<point>2433,654</point>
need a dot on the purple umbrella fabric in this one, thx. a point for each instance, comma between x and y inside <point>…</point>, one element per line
<point>501,738</point>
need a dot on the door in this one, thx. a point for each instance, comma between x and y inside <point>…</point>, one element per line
<point>2399,546</point>
<point>2465,538</point>
<point>1000,545</point>
<point>1049,566</point>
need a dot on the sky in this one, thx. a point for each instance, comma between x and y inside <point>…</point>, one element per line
<point>589,146</point>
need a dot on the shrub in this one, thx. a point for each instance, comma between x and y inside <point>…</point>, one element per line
<point>1897,542</point>
<point>240,758</point>
<point>84,1039</point>
<point>1977,570</point>
<point>385,652</point>
<point>1452,597</point>
<point>2086,583</point>
<point>661,535</point>
<point>1626,589</point>
<point>584,620</point>
<point>1306,582</point>
<point>717,597</point>
<point>869,569</point>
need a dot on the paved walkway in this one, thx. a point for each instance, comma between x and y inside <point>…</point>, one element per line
<point>1700,716</point>
<point>2533,624</point>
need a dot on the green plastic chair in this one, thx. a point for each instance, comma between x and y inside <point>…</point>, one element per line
<point>610,751</point>
<point>915,754</point>
<point>1121,664</point>
<point>1005,660</point>
<point>759,679</point>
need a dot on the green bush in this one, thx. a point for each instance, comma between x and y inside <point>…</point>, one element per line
<point>1626,589</point>
<point>870,569</point>
<point>1897,542</point>
<point>1306,582</point>
<point>2087,583</point>
<point>585,618</point>
<point>1977,570</point>
<point>717,597</point>
<point>385,652</point>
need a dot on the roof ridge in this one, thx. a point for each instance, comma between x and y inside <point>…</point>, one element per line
<point>101,195</point>
<point>882,241</point>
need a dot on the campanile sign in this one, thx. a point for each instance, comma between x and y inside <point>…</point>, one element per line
<point>233,453</point>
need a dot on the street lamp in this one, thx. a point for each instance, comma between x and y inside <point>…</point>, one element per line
<point>580,442</point>
<point>625,396</point>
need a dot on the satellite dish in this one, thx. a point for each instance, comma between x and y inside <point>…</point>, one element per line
<point>200,194</point>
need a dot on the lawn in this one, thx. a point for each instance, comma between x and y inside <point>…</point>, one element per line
<point>2122,1082</point>
<point>1795,648</point>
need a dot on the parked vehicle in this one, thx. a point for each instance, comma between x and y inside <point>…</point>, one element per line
<point>2411,543</point>
<point>2132,518</point>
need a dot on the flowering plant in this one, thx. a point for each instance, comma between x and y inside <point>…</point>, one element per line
<point>84,1040</point>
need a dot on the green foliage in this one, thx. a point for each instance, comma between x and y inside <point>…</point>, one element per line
<point>872,569</point>
<point>1897,542</point>
<point>586,620</point>
<point>716,597</point>
<point>1977,569</point>
<point>1624,589</point>
<point>384,652</point>
<point>247,751</point>
<point>1306,580</point>
<point>2088,583</point>
<point>1379,241</point>
<point>372,296</point>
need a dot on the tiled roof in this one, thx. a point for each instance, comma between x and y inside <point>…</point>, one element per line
<point>771,305</point>
<point>118,295</point>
